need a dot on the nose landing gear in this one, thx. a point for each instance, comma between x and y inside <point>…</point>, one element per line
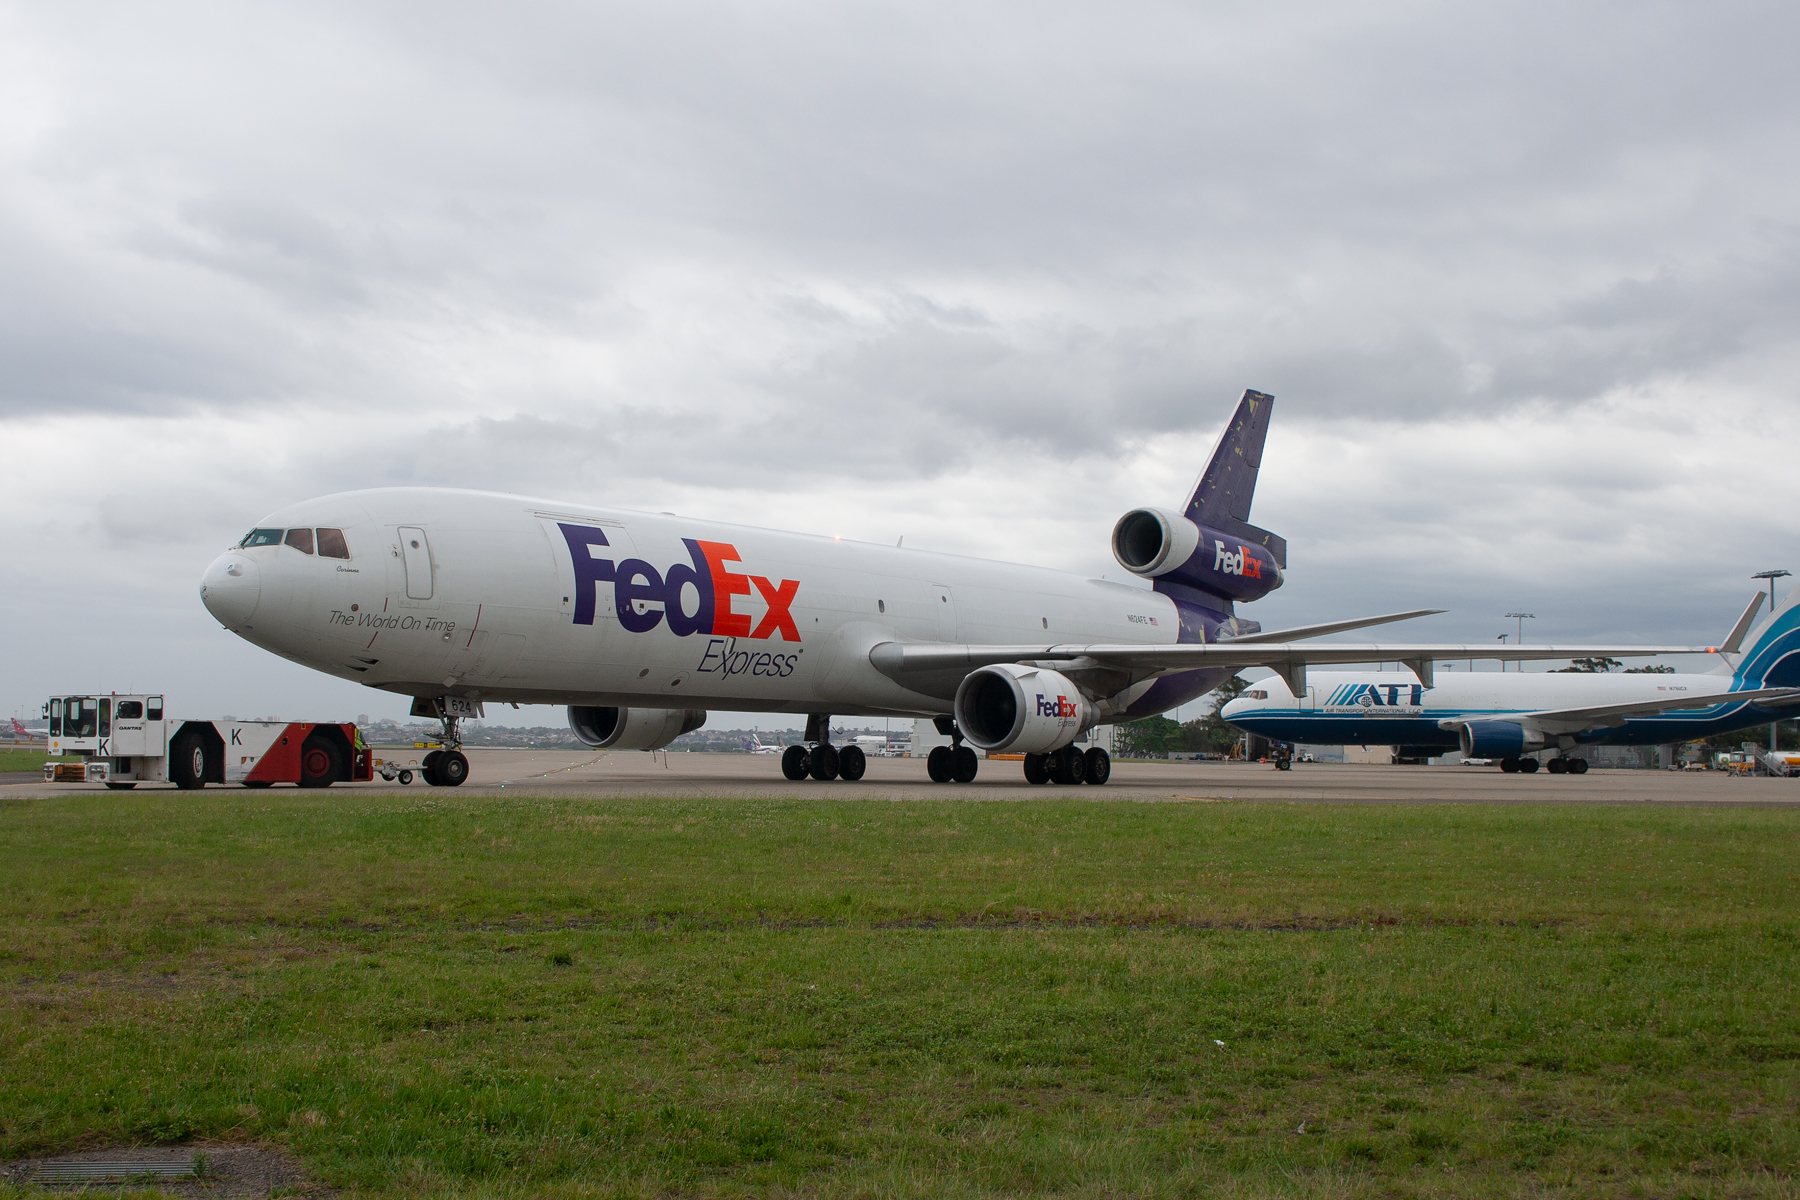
<point>447,767</point>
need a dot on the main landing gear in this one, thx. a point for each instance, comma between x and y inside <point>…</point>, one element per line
<point>955,761</point>
<point>446,767</point>
<point>819,758</point>
<point>1069,765</point>
<point>1556,766</point>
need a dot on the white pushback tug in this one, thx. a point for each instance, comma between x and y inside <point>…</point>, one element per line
<point>123,741</point>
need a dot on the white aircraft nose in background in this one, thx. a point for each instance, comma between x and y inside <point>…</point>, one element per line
<point>231,588</point>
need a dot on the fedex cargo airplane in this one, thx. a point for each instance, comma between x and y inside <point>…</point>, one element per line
<point>1511,716</point>
<point>639,622</point>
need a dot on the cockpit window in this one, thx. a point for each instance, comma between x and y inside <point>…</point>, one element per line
<point>301,540</point>
<point>261,537</point>
<point>332,544</point>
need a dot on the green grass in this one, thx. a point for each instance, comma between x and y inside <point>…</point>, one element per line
<point>430,993</point>
<point>20,759</point>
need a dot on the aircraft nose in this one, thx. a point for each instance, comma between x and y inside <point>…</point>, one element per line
<point>1233,708</point>
<point>230,589</point>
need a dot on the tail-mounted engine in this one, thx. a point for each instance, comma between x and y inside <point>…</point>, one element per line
<point>1023,709</point>
<point>1158,544</point>
<point>632,728</point>
<point>1499,739</point>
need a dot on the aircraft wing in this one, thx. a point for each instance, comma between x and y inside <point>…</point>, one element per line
<point>1290,660</point>
<point>1579,720</point>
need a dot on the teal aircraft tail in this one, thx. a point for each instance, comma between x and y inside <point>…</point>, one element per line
<point>1773,656</point>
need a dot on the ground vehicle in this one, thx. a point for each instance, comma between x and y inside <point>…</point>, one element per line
<point>123,741</point>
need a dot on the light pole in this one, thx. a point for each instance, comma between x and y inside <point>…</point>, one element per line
<point>1772,576</point>
<point>1523,616</point>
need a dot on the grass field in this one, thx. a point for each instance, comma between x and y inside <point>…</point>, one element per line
<point>18,758</point>
<point>469,995</point>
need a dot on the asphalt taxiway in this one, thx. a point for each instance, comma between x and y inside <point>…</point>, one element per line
<point>636,773</point>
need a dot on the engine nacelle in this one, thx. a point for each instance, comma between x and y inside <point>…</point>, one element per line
<point>1158,544</point>
<point>632,728</point>
<point>1027,710</point>
<point>1499,739</point>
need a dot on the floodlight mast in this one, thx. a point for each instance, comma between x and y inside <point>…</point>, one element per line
<point>1523,617</point>
<point>1772,576</point>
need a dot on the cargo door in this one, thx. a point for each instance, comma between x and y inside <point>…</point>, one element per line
<point>945,604</point>
<point>415,554</point>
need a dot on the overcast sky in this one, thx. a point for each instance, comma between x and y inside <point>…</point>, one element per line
<point>1525,283</point>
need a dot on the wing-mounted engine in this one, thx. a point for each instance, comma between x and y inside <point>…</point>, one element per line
<point>1499,739</point>
<point>1157,544</point>
<point>632,728</point>
<point>1027,710</point>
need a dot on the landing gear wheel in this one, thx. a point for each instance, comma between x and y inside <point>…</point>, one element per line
<point>121,787</point>
<point>1578,766</point>
<point>405,778</point>
<point>1510,766</point>
<point>852,763</point>
<point>940,764</point>
<point>1557,766</point>
<point>824,764</point>
<point>1035,771</point>
<point>258,783</point>
<point>428,767</point>
<point>963,765</point>
<point>188,762</point>
<point>1067,765</point>
<point>1528,766</point>
<point>794,763</point>
<point>452,769</point>
<point>1099,765</point>
<point>319,765</point>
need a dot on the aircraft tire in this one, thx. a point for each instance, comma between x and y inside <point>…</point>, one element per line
<point>319,765</point>
<point>824,764</point>
<point>1035,771</point>
<point>938,764</point>
<point>428,767</point>
<point>794,764</point>
<point>1578,766</point>
<point>1510,766</point>
<point>1528,766</point>
<point>1557,766</point>
<point>1099,766</point>
<point>452,769</point>
<point>852,762</point>
<point>964,765</point>
<point>188,762</point>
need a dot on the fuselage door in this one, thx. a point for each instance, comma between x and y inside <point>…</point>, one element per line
<point>415,552</point>
<point>945,604</point>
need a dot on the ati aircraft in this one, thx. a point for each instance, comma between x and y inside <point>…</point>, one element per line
<point>1511,716</point>
<point>639,622</point>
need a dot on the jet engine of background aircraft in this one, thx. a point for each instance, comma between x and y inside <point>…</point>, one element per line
<point>1153,543</point>
<point>632,728</point>
<point>1499,739</point>
<point>1025,709</point>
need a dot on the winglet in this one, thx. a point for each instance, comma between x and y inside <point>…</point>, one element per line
<point>1223,493</point>
<point>1735,638</point>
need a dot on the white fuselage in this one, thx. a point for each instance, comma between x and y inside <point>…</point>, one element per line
<point>479,595</point>
<point>1391,708</point>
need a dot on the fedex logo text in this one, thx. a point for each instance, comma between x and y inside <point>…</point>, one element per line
<point>1055,706</point>
<point>1236,562</point>
<point>636,582</point>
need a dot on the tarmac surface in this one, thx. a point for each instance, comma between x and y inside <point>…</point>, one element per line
<point>636,773</point>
